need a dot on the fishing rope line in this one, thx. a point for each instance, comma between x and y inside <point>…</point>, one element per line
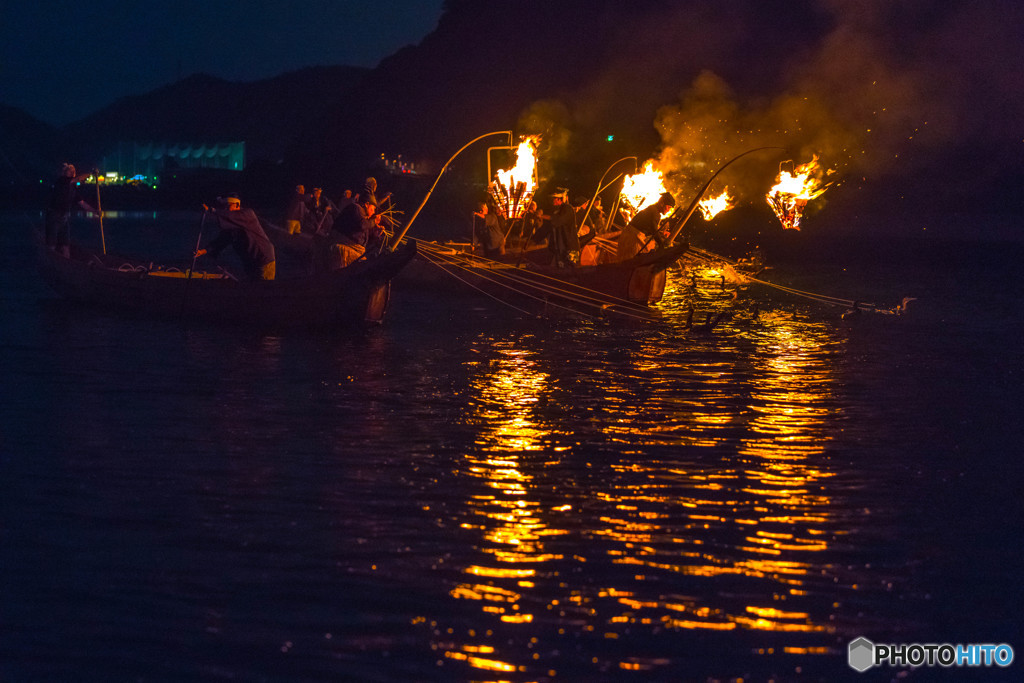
<point>525,283</point>
<point>709,257</point>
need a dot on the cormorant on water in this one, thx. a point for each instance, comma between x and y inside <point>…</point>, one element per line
<point>710,321</point>
<point>852,312</point>
<point>902,308</point>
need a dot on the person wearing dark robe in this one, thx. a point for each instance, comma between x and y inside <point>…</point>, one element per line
<point>533,224</point>
<point>64,197</point>
<point>564,243</point>
<point>596,217</point>
<point>644,226</point>
<point>369,193</point>
<point>241,229</point>
<point>320,213</point>
<point>346,199</point>
<point>358,223</point>
<point>296,211</point>
<point>591,222</point>
<point>488,231</point>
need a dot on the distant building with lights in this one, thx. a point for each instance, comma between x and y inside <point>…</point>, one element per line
<point>154,159</point>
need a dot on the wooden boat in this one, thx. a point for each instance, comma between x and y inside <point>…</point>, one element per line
<point>357,293</point>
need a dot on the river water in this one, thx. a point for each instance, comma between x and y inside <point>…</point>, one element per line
<point>466,493</point>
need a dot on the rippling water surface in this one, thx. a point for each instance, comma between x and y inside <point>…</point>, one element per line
<point>468,494</point>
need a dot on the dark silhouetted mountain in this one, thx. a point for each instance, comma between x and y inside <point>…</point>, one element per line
<point>269,115</point>
<point>27,145</point>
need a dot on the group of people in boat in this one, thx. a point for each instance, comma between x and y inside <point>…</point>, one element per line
<point>573,234</point>
<point>315,213</point>
<point>342,231</point>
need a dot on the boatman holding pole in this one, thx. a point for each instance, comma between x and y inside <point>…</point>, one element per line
<point>241,229</point>
<point>63,198</point>
<point>644,227</point>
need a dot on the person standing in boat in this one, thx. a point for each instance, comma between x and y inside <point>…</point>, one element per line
<point>591,221</point>
<point>346,199</point>
<point>64,196</point>
<point>644,225</point>
<point>533,222</point>
<point>241,229</point>
<point>320,213</point>
<point>369,194</point>
<point>488,232</point>
<point>381,206</point>
<point>295,214</point>
<point>564,242</point>
<point>596,217</point>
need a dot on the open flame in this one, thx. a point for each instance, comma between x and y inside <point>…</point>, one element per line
<point>513,188</point>
<point>642,189</point>
<point>712,206</point>
<point>792,191</point>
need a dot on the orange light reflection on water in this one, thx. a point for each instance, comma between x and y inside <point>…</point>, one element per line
<point>767,499</point>
<point>758,509</point>
<point>513,524</point>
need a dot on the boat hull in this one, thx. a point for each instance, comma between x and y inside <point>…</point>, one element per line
<point>357,293</point>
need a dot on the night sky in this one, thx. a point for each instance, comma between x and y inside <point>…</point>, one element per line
<point>62,60</point>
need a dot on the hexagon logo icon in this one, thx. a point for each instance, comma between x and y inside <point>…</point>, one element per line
<point>861,654</point>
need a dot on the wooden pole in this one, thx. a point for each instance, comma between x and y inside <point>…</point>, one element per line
<point>700,194</point>
<point>195,255</point>
<point>99,210</point>
<point>601,188</point>
<point>408,225</point>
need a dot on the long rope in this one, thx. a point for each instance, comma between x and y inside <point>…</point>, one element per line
<point>543,282</point>
<point>526,283</point>
<point>711,257</point>
<point>587,305</point>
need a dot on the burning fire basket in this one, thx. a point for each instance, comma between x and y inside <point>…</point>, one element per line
<point>513,189</point>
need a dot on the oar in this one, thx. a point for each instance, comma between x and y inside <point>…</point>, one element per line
<point>99,211</point>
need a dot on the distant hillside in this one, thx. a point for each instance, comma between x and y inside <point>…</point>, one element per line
<point>269,115</point>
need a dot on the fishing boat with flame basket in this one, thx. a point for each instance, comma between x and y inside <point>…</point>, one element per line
<point>355,294</point>
<point>524,277</point>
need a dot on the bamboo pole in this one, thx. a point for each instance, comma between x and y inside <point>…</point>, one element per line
<point>700,194</point>
<point>600,188</point>
<point>99,211</point>
<point>438,179</point>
